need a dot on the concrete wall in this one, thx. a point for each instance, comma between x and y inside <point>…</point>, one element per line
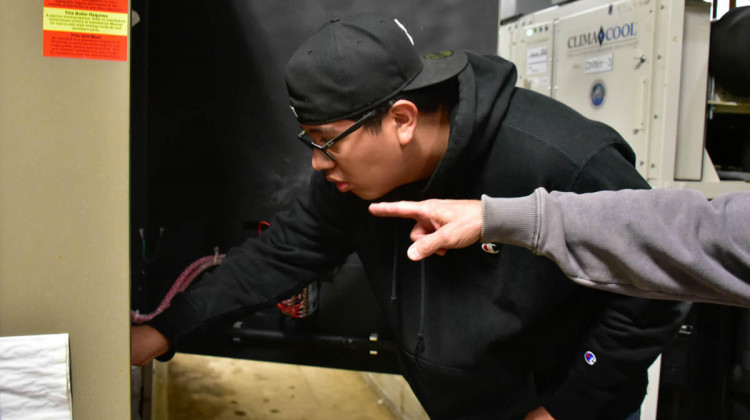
<point>64,252</point>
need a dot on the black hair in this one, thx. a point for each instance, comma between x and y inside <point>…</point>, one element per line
<point>427,99</point>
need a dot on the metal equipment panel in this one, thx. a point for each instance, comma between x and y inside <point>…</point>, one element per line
<point>535,56</point>
<point>603,67</point>
<point>691,130</point>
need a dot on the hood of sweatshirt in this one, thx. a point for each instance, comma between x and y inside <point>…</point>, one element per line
<point>475,120</point>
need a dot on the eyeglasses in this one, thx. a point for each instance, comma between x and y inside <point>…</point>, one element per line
<point>309,142</point>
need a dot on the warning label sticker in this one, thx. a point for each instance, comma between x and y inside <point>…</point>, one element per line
<point>93,29</point>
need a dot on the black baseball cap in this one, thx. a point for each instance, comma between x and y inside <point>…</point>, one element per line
<point>353,64</point>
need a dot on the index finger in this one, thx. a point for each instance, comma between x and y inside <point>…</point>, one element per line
<point>406,209</point>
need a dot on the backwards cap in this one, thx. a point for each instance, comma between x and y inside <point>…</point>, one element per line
<point>354,64</point>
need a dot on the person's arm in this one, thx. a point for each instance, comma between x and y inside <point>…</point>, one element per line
<point>625,334</point>
<point>664,244</point>
<point>301,244</point>
<point>661,244</point>
<point>146,344</point>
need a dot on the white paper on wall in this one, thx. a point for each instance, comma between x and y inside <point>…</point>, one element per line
<point>35,377</point>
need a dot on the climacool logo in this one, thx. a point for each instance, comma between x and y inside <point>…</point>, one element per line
<point>610,34</point>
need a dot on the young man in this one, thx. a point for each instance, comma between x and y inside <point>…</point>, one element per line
<point>479,335</point>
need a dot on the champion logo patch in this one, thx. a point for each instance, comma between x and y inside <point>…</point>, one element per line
<point>590,358</point>
<point>490,248</point>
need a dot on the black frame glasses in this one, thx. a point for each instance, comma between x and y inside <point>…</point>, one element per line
<point>309,142</point>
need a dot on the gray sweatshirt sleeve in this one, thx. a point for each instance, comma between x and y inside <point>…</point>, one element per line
<point>661,244</point>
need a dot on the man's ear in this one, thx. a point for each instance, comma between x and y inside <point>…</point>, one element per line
<point>404,114</point>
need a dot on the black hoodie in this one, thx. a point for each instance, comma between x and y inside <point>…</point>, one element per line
<point>480,335</point>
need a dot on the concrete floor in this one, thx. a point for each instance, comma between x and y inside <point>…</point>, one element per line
<point>191,387</point>
<point>203,387</point>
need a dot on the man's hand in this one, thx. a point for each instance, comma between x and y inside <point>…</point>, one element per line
<point>146,344</point>
<point>540,413</point>
<point>441,224</point>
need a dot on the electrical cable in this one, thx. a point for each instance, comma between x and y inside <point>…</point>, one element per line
<point>183,281</point>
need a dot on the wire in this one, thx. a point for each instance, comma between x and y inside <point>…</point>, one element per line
<point>183,281</point>
<point>300,305</point>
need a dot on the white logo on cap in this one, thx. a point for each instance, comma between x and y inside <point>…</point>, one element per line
<point>294,112</point>
<point>405,31</point>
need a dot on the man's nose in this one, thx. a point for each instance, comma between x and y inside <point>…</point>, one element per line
<point>321,162</point>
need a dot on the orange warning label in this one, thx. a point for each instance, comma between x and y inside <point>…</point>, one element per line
<point>93,29</point>
<point>117,6</point>
<point>75,45</point>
